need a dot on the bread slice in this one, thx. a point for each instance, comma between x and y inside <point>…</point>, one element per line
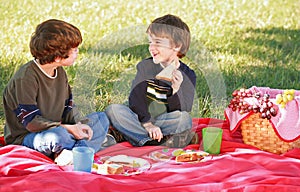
<point>109,168</point>
<point>114,169</point>
<point>167,73</point>
<point>121,160</point>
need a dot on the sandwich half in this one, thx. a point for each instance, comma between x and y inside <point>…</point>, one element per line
<point>167,73</point>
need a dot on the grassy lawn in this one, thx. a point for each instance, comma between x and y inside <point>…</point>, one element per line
<point>234,44</point>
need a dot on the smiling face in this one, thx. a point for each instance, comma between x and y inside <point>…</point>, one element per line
<point>162,49</point>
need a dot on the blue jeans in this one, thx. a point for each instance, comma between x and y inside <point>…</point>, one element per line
<point>56,139</point>
<point>126,121</point>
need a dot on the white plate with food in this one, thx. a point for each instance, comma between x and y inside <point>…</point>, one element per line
<point>120,165</point>
<point>179,155</point>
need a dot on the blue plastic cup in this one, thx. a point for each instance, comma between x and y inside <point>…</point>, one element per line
<point>83,158</point>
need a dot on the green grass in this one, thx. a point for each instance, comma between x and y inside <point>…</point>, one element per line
<point>234,44</point>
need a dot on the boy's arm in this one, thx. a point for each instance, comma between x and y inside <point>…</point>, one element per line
<point>70,117</point>
<point>39,123</point>
<point>139,77</point>
<point>137,97</point>
<point>24,105</point>
<point>138,102</point>
<point>183,99</point>
<point>71,114</point>
<point>30,115</point>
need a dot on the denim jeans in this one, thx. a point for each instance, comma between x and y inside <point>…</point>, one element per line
<point>56,139</point>
<point>126,121</point>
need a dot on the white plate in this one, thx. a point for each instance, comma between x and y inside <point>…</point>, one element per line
<point>169,155</point>
<point>132,165</point>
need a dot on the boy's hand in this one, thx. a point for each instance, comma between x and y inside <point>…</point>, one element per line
<point>154,131</point>
<point>85,131</point>
<point>80,131</point>
<point>176,81</point>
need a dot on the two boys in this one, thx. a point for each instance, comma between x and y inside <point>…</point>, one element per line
<point>39,108</point>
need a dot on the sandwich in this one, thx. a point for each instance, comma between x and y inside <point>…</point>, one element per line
<point>108,168</point>
<point>123,160</point>
<point>167,73</point>
<point>120,164</point>
<point>189,157</point>
<point>160,156</point>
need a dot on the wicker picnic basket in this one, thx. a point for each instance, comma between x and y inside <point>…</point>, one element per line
<point>259,132</point>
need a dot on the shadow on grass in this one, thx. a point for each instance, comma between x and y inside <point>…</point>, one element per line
<point>278,48</point>
<point>274,45</point>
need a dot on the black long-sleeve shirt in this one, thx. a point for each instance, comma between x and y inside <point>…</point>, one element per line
<point>150,97</point>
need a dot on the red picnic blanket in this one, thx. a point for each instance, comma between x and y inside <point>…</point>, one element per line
<point>239,167</point>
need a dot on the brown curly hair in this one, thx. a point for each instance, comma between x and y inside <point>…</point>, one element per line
<point>54,39</point>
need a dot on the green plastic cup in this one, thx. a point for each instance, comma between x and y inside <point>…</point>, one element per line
<point>212,139</point>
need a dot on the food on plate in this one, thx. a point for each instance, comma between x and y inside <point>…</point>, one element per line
<point>178,155</point>
<point>160,156</point>
<point>109,168</point>
<point>167,73</point>
<point>189,157</point>
<point>178,152</point>
<point>114,169</point>
<point>123,160</point>
<point>120,164</point>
